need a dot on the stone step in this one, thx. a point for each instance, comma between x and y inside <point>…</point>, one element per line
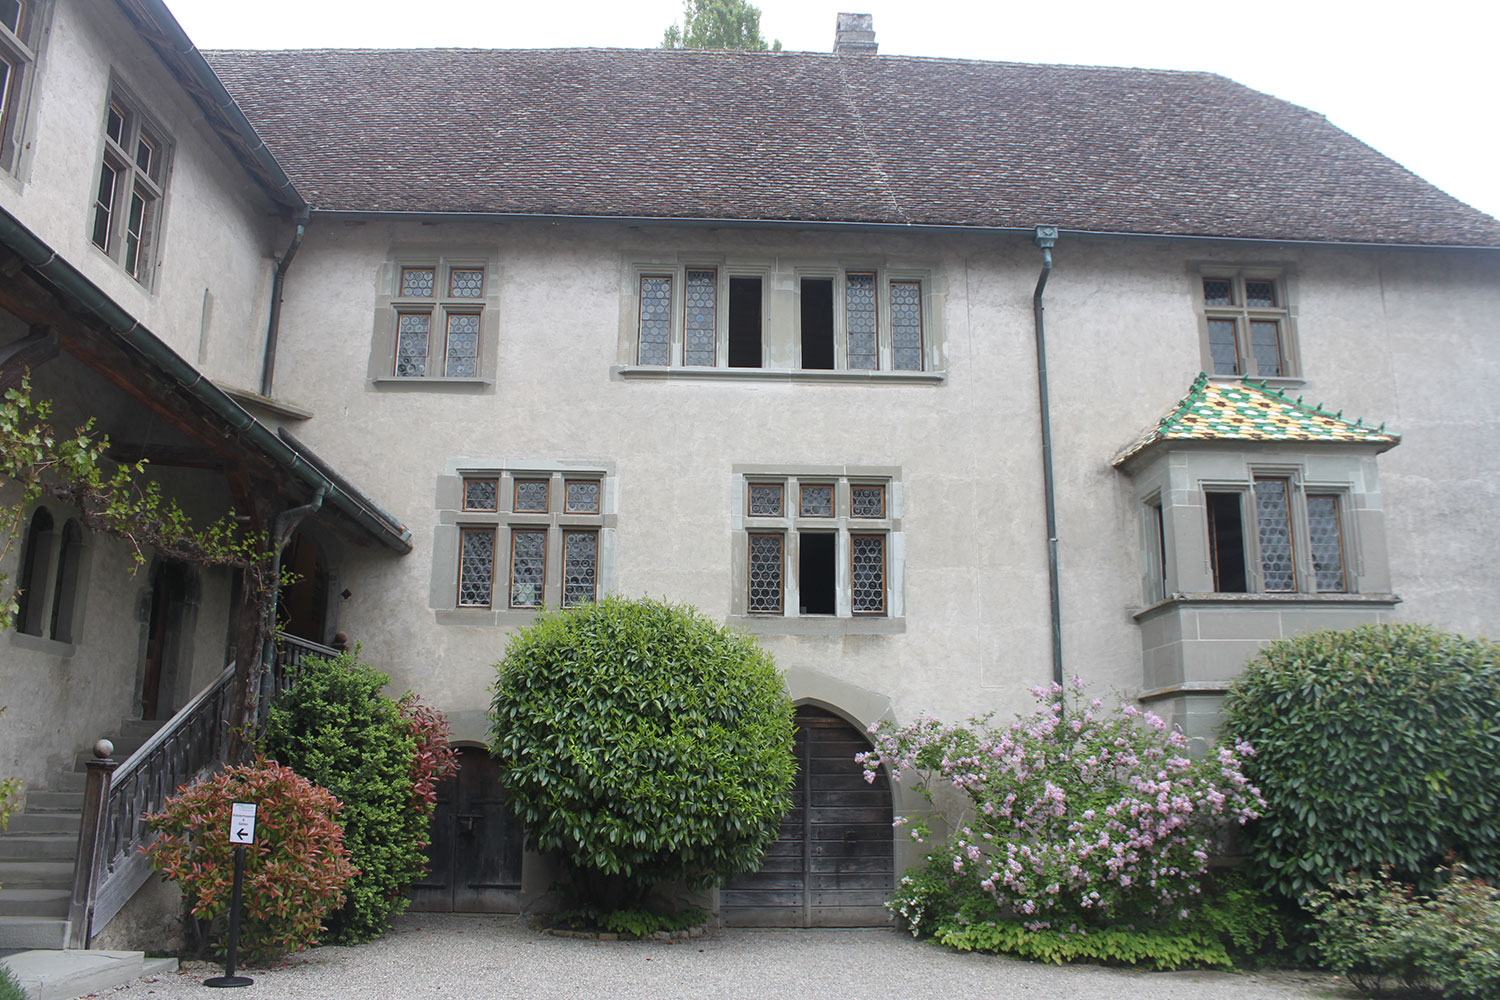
<point>138,729</point>
<point>38,847</point>
<point>63,975</point>
<point>46,822</point>
<point>33,932</point>
<point>34,902</point>
<point>36,875</point>
<point>71,782</point>
<point>42,800</point>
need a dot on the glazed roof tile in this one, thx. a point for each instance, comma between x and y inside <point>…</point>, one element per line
<point>1249,410</point>
<point>807,136</point>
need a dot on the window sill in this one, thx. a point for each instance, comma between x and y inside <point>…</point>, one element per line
<point>279,407</point>
<point>1266,600</point>
<point>817,625</point>
<point>41,644</point>
<point>1270,381</point>
<point>705,373</point>
<point>391,383</point>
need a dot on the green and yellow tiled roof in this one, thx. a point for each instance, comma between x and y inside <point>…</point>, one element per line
<point>1252,411</point>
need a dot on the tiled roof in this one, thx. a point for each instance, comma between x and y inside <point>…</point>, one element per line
<point>1253,411</point>
<point>810,136</point>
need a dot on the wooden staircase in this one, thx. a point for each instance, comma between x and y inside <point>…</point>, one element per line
<point>39,849</point>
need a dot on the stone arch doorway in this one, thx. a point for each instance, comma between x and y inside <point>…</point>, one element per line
<point>474,859</point>
<point>833,864</point>
<point>302,605</point>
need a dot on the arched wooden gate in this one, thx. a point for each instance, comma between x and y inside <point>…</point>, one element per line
<point>834,863</point>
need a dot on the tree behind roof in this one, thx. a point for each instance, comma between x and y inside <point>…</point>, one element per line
<point>718,24</point>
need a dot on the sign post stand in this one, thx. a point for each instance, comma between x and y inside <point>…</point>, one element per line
<point>241,832</point>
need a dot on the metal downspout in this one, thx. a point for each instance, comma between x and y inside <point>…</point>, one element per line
<point>281,532</point>
<point>1046,238</point>
<point>273,324</point>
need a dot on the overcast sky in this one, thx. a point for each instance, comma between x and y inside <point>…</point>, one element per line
<point>1416,80</point>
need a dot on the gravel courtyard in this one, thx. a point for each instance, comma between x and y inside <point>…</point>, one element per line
<point>432,955</point>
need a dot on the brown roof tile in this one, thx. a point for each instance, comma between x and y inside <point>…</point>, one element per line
<point>811,136</point>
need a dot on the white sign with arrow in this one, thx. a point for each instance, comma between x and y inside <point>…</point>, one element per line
<point>242,823</point>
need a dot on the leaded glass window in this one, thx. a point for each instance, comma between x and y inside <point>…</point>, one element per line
<point>817,501</point>
<point>1265,343</point>
<point>528,567</point>
<point>700,312</point>
<point>463,345</point>
<point>906,325</point>
<point>476,566</point>
<point>127,200</point>
<point>765,499</point>
<point>1223,346</point>
<point>1274,528</point>
<point>859,318</point>
<point>580,567</point>
<point>481,494</point>
<point>411,344</point>
<point>1247,325</point>
<point>581,496</point>
<point>866,501</point>
<point>1325,537</point>
<point>656,320</point>
<point>417,282</point>
<point>531,496</point>
<point>765,574</point>
<point>867,574</point>
<point>466,283</point>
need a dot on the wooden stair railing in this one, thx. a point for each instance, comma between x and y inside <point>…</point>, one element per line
<point>112,864</point>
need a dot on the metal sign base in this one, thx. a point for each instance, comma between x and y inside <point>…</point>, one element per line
<point>222,981</point>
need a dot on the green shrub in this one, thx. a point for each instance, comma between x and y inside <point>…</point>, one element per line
<point>294,872</point>
<point>1373,746</point>
<point>643,743</point>
<point>638,923</point>
<point>1372,929</point>
<point>336,728</point>
<point>1162,949</point>
<point>10,986</point>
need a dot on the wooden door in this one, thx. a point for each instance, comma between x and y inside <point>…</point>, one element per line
<point>833,864</point>
<point>474,859</point>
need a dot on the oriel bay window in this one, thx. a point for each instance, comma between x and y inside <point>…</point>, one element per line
<point>816,546</point>
<point>782,316</point>
<point>1275,537</point>
<point>523,540</point>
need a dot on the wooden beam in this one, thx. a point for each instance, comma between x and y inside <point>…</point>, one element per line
<point>31,351</point>
<point>174,455</point>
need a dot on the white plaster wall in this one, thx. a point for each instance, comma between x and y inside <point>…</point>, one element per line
<point>216,234</point>
<point>1123,348</point>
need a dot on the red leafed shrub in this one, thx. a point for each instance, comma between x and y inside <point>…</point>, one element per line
<point>295,871</point>
<point>435,758</point>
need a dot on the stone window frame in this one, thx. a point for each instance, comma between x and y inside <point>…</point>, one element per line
<point>781,318</point>
<point>52,578</point>
<point>791,525</point>
<point>127,215</point>
<point>454,519</point>
<point>1283,279</point>
<point>390,304</point>
<point>23,29</point>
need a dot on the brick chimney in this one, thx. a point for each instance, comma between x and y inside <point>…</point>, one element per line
<point>855,36</point>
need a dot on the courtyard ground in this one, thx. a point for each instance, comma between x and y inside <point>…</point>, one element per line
<point>432,955</point>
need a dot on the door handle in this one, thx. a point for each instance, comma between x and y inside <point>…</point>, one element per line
<point>466,823</point>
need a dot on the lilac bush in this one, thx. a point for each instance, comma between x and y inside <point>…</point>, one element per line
<point>1079,815</point>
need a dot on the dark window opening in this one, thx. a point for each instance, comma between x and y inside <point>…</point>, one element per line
<point>744,323</point>
<point>1226,542</point>
<point>65,593</point>
<point>35,560</point>
<point>817,323</point>
<point>815,573</point>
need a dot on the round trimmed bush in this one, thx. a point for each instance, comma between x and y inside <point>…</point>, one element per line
<point>294,872</point>
<point>1374,746</point>
<point>643,743</point>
